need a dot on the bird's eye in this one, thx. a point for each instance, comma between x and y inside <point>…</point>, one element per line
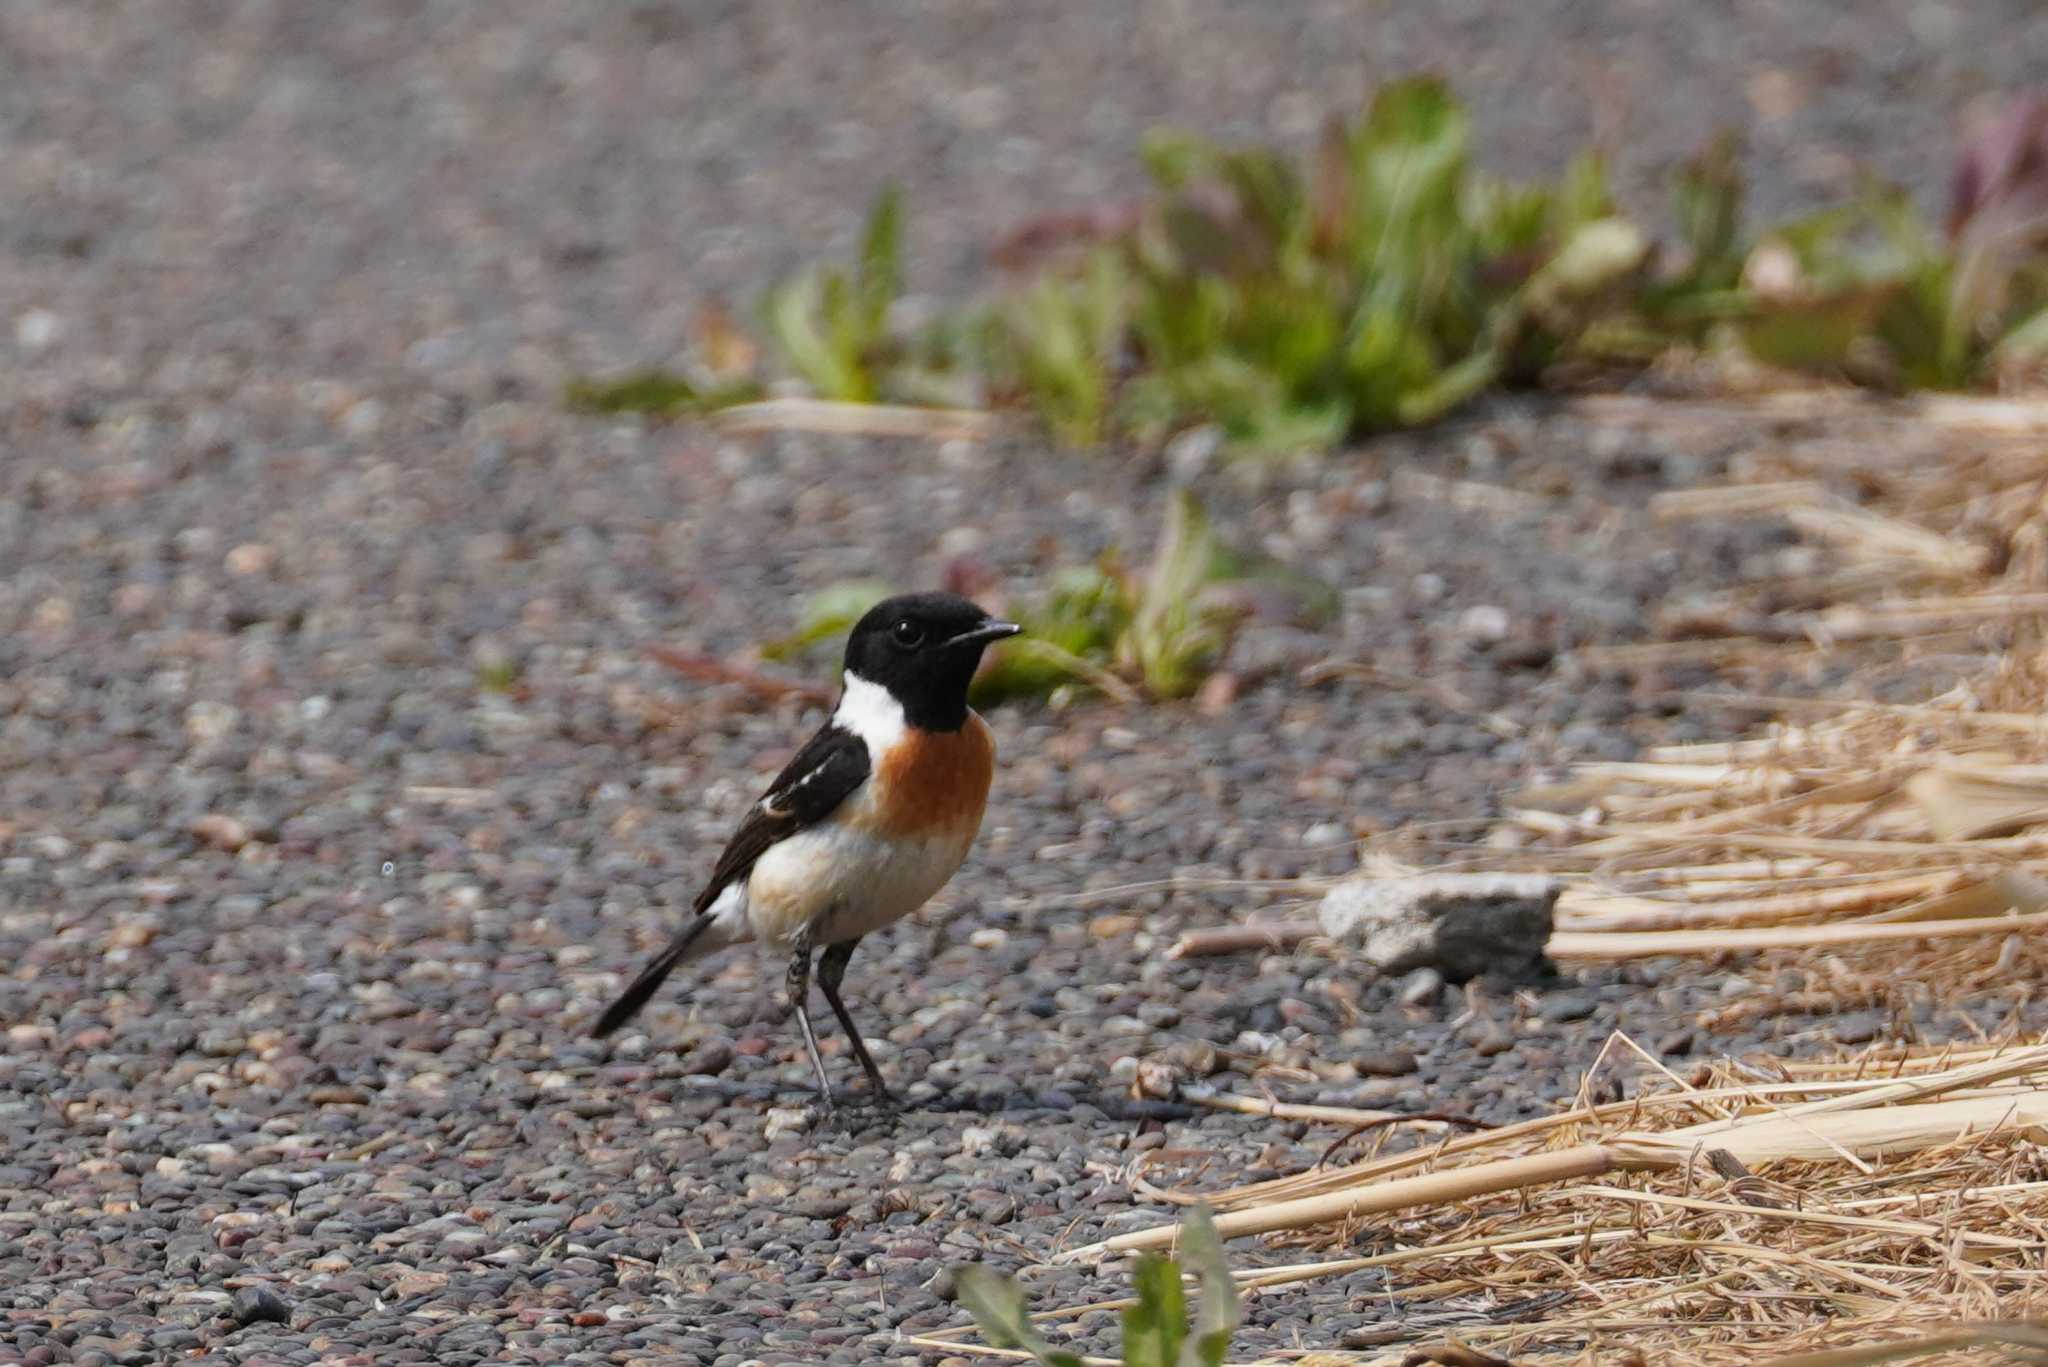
<point>908,634</point>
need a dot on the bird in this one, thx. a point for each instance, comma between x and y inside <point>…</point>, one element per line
<point>873,815</point>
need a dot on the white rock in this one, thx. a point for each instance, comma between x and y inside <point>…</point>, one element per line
<point>1004,1141</point>
<point>1323,835</point>
<point>1484,622</point>
<point>37,329</point>
<point>1462,925</point>
<point>784,1120</point>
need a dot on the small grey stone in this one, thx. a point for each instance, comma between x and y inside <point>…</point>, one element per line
<point>1676,1044</point>
<point>256,1304</point>
<point>1569,1006</point>
<point>1391,1063</point>
<point>1489,1038</point>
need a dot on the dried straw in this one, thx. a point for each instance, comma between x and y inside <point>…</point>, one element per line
<point>1890,1202</point>
<point>1889,1205</point>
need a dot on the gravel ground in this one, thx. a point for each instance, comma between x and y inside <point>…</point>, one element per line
<point>303,920</point>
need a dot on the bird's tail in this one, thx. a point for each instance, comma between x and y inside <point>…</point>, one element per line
<point>633,998</point>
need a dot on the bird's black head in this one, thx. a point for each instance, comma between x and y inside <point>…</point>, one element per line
<point>923,648</point>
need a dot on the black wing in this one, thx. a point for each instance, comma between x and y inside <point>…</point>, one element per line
<point>818,778</point>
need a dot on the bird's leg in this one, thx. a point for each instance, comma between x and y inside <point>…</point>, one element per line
<point>831,969</point>
<point>799,989</point>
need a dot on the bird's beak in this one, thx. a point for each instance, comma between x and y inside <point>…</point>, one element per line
<point>990,630</point>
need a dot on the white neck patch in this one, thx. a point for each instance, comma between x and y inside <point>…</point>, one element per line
<point>871,712</point>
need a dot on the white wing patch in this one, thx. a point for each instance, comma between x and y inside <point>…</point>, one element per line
<point>776,804</point>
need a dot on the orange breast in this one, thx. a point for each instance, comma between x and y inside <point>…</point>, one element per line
<point>933,782</point>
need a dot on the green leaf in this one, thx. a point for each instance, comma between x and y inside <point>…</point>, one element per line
<point>831,612</point>
<point>1427,403</point>
<point>997,1304</point>
<point>1179,320</point>
<point>658,393</point>
<point>835,331</point>
<point>1175,636</point>
<point>1582,197</point>
<point>1815,332</point>
<point>1061,337</point>
<point>1071,634</point>
<point>1174,158</point>
<point>1386,361</point>
<point>1290,427</point>
<point>1257,409</point>
<point>1290,330</point>
<point>797,318</point>
<point>1509,223</point>
<point>1408,164</point>
<point>881,274</point>
<point>1708,203</point>
<point>1272,201</point>
<point>1157,1326</point>
<point>1220,1314</point>
<point>1413,147</point>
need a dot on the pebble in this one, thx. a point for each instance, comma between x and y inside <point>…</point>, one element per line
<point>1421,986</point>
<point>259,1304</point>
<point>1391,1063</point>
<point>251,558</point>
<point>1490,1038</point>
<point>1485,623</point>
<point>1574,1005</point>
<point>37,329</point>
<point>787,1120</point>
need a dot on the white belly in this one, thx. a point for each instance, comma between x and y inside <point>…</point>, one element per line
<point>845,882</point>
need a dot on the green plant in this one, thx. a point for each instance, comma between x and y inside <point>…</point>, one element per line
<point>1181,613</point>
<point>1385,280</point>
<point>1156,1328</point>
<point>1870,290</point>
<point>1160,631</point>
<point>1056,342</point>
<point>1379,286</point>
<point>721,374</point>
<point>1069,638</point>
<point>834,328</point>
<point>656,393</point>
<point>497,676</point>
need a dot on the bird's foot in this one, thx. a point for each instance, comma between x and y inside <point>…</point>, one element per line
<point>853,1115</point>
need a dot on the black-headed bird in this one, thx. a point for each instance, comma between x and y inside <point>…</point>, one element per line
<point>870,818</point>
